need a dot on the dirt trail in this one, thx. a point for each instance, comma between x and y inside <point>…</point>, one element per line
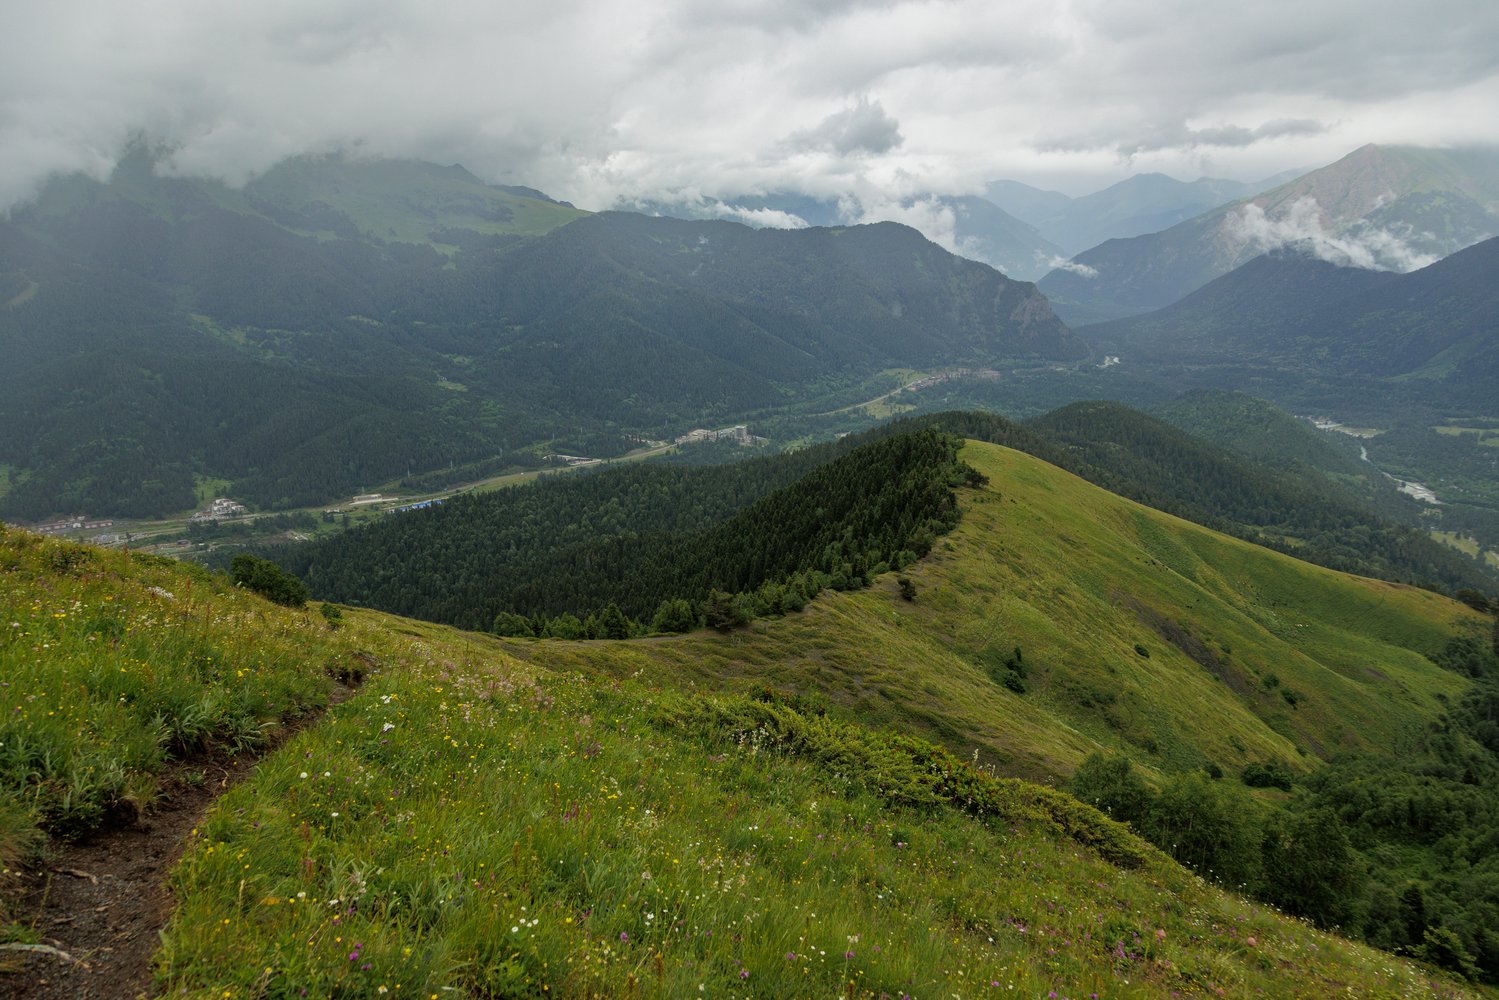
<point>101,903</point>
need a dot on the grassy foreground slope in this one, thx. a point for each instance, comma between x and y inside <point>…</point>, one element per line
<point>1248,655</point>
<point>470,825</point>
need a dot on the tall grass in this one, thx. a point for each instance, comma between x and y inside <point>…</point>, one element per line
<point>112,665</point>
<point>463,829</point>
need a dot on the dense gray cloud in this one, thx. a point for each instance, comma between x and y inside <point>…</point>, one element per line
<point>864,128</point>
<point>883,102</point>
<point>1180,136</point>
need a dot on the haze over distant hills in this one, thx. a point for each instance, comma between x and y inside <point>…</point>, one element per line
<point>1144,203</point>
<point>1393,208</point>
<point>1022,230</point>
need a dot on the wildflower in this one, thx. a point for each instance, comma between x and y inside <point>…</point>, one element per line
<point>1160,934</point>
<point>624,936</point>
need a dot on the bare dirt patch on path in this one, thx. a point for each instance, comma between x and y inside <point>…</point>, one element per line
<point>99,905</point>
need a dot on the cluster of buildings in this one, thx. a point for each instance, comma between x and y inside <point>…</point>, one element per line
<point>420,505</point>
<point>73,522</point>
<point>573,461</point>
<point>986,374</point>
<point>739,434</point>
<point>220,509</point>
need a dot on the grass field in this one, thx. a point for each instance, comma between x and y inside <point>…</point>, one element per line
<point>1264,656</point>
<point>489,818</point>
<point>1465,544</point>
<point>1488,436</point>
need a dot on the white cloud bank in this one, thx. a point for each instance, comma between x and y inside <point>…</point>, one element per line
<point>1300,226</point>
<point>1076,267</point>
<point>593,100</point>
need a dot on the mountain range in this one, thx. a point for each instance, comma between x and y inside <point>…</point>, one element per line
<point>1290,312</point>
<point>339,323</point>
<point>1391,208</point>
<point>1018,229</point>
<point>968,225</point>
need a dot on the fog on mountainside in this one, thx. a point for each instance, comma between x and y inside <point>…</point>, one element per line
<point>1141,204</point>
<point>1393,208</point>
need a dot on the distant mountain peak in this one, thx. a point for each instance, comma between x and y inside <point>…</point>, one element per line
<point>1396,208</point>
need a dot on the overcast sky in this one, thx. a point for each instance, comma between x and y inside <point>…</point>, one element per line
<point>591,100</point>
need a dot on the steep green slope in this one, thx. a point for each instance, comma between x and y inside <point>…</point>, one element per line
<point>470,825</point>
<point>1139,456</point>
<point>1077,578</point>
<point>407,201</point>
<point>1306,515</point>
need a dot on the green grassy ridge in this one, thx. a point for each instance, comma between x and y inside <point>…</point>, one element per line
<point>1077,578</point>
<point>400,200</point>
<point>477,827</point>
<point>489,826</point>
<point>1138,456</point>
<point>1150,461</point>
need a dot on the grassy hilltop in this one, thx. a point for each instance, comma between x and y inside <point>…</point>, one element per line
<point>491,818</point>
<point>1247,655</point>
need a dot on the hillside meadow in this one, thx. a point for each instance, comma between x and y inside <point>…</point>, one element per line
<point>1137,631</point>
<point>493,818</point>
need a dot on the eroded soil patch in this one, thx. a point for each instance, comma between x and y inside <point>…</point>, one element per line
<point>100,904</point>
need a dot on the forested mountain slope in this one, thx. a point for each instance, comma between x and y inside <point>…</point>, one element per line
<point>302,340</point>
<point>1298,315</point>
<point>639,538</point>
